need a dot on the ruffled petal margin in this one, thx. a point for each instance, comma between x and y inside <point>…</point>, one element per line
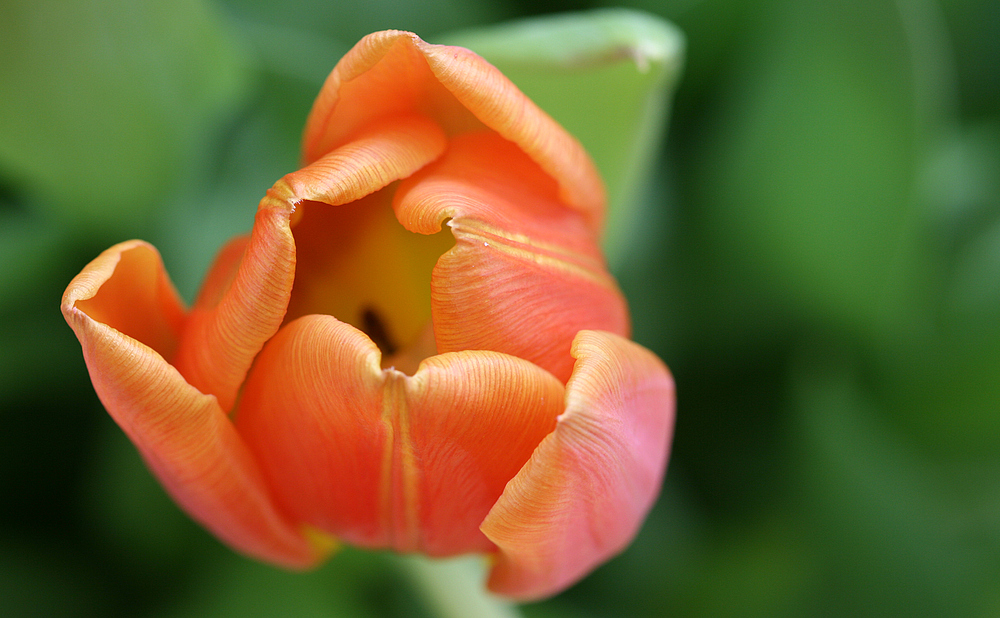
<point>585,491</point>
<point>393,72</point>
<point>226,329</point>
<point>183,435</point>
<point>475,417</point>
<point>526,273</point>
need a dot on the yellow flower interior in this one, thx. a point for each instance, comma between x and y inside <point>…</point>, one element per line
<point>357,263</point>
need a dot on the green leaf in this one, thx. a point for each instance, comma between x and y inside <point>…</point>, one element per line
<point>29,251</point>
<point>259,149</point>
<point>353,582</point>
<point>607,76</point>
<point>807,178</point>
<point>887,515</point>
<point>104,102</point>
<point>349,21</point>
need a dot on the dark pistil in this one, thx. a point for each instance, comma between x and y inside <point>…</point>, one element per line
<point>375,328</point>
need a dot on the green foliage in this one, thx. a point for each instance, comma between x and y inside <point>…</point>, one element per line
<point>104,102</point>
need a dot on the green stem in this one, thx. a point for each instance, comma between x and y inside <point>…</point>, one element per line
<point>454,588</point>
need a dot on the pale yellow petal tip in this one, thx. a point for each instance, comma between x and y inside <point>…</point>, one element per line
<point>323,545</point>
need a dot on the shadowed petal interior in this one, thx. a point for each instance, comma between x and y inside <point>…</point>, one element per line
<point>127,288</point>
<point>221,341</point>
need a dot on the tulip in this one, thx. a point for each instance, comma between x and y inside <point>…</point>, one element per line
<point>350,371</point>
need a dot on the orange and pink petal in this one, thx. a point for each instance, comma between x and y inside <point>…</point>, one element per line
<point>381,459</point>
<point>526,273</point>
<point>126,315</point>
<point>475,419</point>
<point>586,490</point>
<point>393,72</point>
<point>221,339</point>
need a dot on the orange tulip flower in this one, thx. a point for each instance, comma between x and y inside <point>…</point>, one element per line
<point>348,370</point>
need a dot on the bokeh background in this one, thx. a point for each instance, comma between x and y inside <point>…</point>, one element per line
<point>820,269</point>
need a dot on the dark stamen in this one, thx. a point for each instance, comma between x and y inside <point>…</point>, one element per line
<point>375,328</point>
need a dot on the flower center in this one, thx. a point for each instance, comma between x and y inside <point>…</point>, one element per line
<point>374,327</point>
<point>357,263</point>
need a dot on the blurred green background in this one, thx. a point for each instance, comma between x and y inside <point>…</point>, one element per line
<point>818,262</point>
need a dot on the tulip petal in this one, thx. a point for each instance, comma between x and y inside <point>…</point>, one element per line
<point>221,339</point>
<point>311,414</point>
<point>380,459</point>
<point>614,64</point>
<point>124,311</point>
<point>475,419</point>
<point>394,72</point>
<point>221,274</point>
<point>136,296</point>
<point>584,493</point>
<point>526,273</point>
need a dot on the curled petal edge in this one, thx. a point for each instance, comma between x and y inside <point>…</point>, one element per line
<point>417,75</point>
<point>525,274</point>
<point>183,435</point>
<point>584,493</point>
<point>221,340</point>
